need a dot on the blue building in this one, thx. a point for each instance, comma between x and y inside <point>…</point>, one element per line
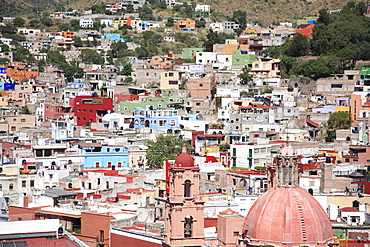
<point>6,83</point>
<point>106,22</point>
<point>112,36</point>
<point>97,155</point>
<point>76,85</point>
<point>156,119</point>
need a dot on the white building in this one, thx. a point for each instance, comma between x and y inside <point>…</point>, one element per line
<point>114,121</point>
<point>203,8</point>
<point>217,27</point>
<point>86,23</point>
<point>28,31</point>
<point>206,58</point>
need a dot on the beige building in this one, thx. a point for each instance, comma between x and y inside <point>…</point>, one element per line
<point>170,80</point>
<point>338,84</point>
<point>16,123</point>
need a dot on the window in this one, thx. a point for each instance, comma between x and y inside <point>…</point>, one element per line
<point>200,85</point>
<point>336,85</point>
<point>91,111</point>
<point>32,183</point>
<point>11,187</point>
<point>162,123</point>
<point>107,185</point>
<point>50,176</point>
<point>1,187</point>
<point>187,187</point>
<point>23,184</point>
<point>188,227</point>
<point>13,128</point>
<point>23,120</point>
<point>109,164</point>
<point>98,181</point>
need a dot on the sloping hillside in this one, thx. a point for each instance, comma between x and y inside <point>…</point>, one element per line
<point>266,12</point>
<point>274,11</point>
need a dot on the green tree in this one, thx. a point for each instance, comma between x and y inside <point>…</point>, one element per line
<point>34,23</point>
<point>118,49</point>
<point>145,13</point>
<point>224,147</point>
<point>77,41</point>
<point>211,39</point>
<point>240,17</point>
<point>47,21</point>
<point>91,56</point>
<point>296,47</point>
<point>162,5</point>
<point>273,51</point>
<point>245,77</point>
<point>18,22</point>
<point>320,40</point>
<point>337,120</point>
<point>25,110</point>
<point>324,17</point>
<point>4,61</point>
<point>22,54</point>
<point>169,22</point>
<point>200,23</point>
<point>75,24</point>
<point>165,147</point>
<point>142,52</point>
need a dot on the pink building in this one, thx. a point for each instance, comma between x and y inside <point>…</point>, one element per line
<point>22,93</point>
<point>184,212</point>
<point>202,86</point>
<point>266,68</point>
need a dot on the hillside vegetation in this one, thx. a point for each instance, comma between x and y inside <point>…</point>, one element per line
<point>265,12</point>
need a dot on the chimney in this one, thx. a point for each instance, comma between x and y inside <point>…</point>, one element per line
<point>25,201</point>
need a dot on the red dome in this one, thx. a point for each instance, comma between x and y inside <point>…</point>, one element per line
<point>287,216</point>
<point>185,160</point>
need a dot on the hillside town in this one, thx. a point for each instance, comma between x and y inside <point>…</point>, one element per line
<point>112,140</point>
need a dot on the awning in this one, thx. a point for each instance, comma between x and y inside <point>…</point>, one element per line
<point>312,123</point>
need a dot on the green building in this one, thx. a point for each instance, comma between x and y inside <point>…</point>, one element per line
<point>365,76</point>
<point>154,102</point>
<point>188,53</point>
<point>242,58</point>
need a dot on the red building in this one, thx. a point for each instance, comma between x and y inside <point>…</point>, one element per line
<point>55,111</point>
<point>88,109</point>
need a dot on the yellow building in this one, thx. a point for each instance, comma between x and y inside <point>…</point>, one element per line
<point>5,96</point>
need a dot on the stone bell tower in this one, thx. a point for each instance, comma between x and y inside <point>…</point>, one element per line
<point>184,210</point>
<point>284,172</point>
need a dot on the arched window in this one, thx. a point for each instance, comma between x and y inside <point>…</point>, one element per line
<point>98,181</point>
<point>187,187</point>
<point>70,185</point>
<point>11,187</point>
<point>188,226</point>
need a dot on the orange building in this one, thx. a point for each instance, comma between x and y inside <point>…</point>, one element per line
<point>306,31</point>
<point>19,71</point>
<point>227,49</point>
<point>185,25</point>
